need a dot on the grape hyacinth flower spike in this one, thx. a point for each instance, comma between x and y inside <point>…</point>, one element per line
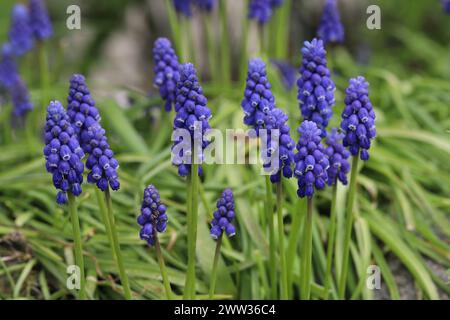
<point>311,172</point>
<point>63,156</point>
<point>20,98</point>
<point>358,124</point>
<point>221,223</point>
<point>102,165</point>
<point>39,20</point>
<point>206,5</point>
<point>20,33</point>
<point>183,7</point>
<point>338,158</point>
<point>315,87</point>
<point>191,123</point>
<point>287,72</point>
<point>260,10</point>
<point>153,220</point>
<point>192,114</point>
<point>446,5</point>
<point>330,28</point>
<point>258,98</point>
<point>166,71</point>
<point>8,66</point>
<point>85,119</point>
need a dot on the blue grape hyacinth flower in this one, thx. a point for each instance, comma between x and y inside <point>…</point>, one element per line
<point>223,216</point>
<point>358,118</point>
<point>183,7</point>
<point>311,161</point>
<point>62,153</point>
<point>39,20</point>
<point>8,66</point>
<point>85,120</point>
<point>20,98</point>
<point>338,158</point>
<point>153,217</point>
<point>287,72</point>
<point>166,71</point>
<point>191,112</point>
<point>20,33</point>
<point>276,3</point>
<point>331,29</point>
<point>258,98</point>
<point>446,5</point>
<point>260,10</point>
<point>277,119</point>
<point>315,87</point>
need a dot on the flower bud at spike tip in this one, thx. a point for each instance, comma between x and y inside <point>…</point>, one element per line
<point>223,216</point>
<point>153,216</point>
<point>330,28</point>
<point>62,153</point>
<point>166,71</point>
<point>358,118</point>
<point>315,87</point>
<point>85,120</point>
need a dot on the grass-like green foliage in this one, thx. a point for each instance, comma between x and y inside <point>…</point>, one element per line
<point>403,191</point>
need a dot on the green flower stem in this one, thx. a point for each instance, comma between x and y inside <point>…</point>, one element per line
<point>272,248</point>
<point>282,30</point>
<point>330,239</point>
<point>175,26</point>
<point>44,74</point>
<point>208,26</point>
<point>77,242</point>
<point>212,286</point>
<point>306,261</point>
<point>224,44</point>
<point>163,269</point>
<point>348,228</point>
<point>284,281</point>
<point>244,54</point>
<point>192,231</point>
<point>116,245</point>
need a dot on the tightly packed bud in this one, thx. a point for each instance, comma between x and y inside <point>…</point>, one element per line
<point>260,10</point>
<point>311,162</point>
<point>20,33</point>
<point>20,97</point>
<point>85,118</point>
<point>224,215</point>
<point>206,5</point>
<point>39,20</point>
<point>8,66</point>
<point>315,87</point>
<point>183,7</point>
<point>337,156</point>
<point>166,71</point>
<point>287,72</point>
<point>62,153</point>
<point>258,99</point>
<point>331,29</point>
<point>277,119</point>
<point>192,114</point>
<point>153,216</point>
<point>358,118</point>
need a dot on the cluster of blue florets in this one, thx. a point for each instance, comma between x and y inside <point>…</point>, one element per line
<point>39,20</point>
<point>283,143</point>
<point>337,156</point>
<point>20,98</point>
<point>183,7</point>
<point>85,119</point>
<point>262,10</point>
<point>258,98</point>
<point>330,28</point>
<point>311,161</point>
<point>358,118</point>
<point>193,115</point>
<point>446,5</point>
<point>315,87</point>
<point>20,32</point>
<point>166,71</point>
<point>62,153</point>
<point>153,217</point>
<point>224,215</point>
<point>8,66</point>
